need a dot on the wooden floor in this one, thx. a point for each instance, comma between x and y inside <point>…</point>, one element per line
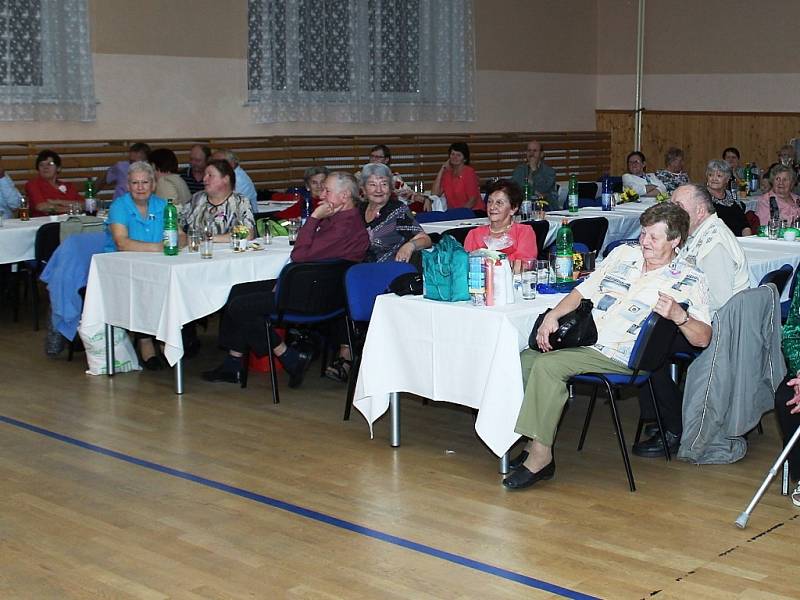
<point>78,523</point>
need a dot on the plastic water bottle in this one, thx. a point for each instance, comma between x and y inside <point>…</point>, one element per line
<point>754,185</point>
<point>305,207</point>
<point>170,229</point>
<point>607,195</point>
<point>572,194</point>
<point>564,252</point>
<point>90,198</point>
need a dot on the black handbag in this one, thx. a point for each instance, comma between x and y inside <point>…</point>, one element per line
<point>407,284</point>
<point>575,329</point>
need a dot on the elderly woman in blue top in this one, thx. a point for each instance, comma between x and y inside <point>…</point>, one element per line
<point>136,224</point>
<point>136,219</point>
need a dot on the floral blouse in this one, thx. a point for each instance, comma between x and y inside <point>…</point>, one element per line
<point>671,180</point>
<point>234,211</point>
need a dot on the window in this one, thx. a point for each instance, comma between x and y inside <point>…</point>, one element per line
<point>45,61</point>
<point>361,60</point>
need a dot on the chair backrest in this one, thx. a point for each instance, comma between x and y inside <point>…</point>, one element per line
<point>48,237</point>
<point>652,347</point>
<point>460,233</point>
<point>591,232</point>
<point>616,184</point>
<point>779,277</point>
<point>451,214</point>
<point>365,281</point>
<point>311,288</point>
<point>541,229</point>
<point>589,202</point>
<point>615,243</point>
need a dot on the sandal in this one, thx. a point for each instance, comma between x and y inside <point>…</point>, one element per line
<point>339,369</point>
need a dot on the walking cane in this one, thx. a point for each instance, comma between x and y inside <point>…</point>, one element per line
<point>741,522</point>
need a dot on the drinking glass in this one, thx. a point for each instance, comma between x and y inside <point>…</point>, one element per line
<point>542,272</point>
<point>772,228</point>
<point>194,239</point>
<point>528,270</point>
<point>292,227</point>
<point>207,241</point>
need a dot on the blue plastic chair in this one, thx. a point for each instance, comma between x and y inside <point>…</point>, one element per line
<point>650,352</point>
<point>305,294</point>
<point>452,214</point>
<point>786,306</point>
<point>778,277</point>
<point>576,247</point>
<point>615,243</point>
<point>363,283</point>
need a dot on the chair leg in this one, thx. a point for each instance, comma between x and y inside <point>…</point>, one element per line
<point>33,280</point>
<point>587,420</point>
<point>272,376</point>
<point>620,436</point>
<point>354,366</point>
<point>639,427</point>
<point>660,424</point>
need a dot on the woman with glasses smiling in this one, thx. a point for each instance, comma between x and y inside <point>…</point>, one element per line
<point>46,193</point>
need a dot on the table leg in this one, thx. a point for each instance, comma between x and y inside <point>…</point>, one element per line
<point>178,368</point>
<point>109,350</point>
<point>394,415</point>
<point>504,469</point>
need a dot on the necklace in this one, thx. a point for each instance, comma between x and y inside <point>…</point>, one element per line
<point>503,230</point>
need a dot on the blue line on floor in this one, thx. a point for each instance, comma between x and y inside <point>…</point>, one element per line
<point>309,514</point>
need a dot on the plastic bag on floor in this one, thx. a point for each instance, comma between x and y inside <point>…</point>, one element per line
<point>94,341</point>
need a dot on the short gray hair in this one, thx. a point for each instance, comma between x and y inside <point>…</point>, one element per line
<point>672,154</point>
<point>782,169</point>
<point>315,170</point>
<point>229,156</point>
<point>379,170</point>
<point>700,195</point>
<point>717,165</point>
<point>346,182</point>
<point>141,166</point>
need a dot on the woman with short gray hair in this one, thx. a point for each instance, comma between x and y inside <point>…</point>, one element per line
<point>779,201</point>
<point>728,208</point>
<point>673,176</point>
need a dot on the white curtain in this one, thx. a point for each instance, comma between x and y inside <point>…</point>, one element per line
<point>361,61</point>
<point>45,61</point>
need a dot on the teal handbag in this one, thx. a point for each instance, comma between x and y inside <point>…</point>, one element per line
<point>444,270</point>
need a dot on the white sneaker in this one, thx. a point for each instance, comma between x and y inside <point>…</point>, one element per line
<point>796,495</point>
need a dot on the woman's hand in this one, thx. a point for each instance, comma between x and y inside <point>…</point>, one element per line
<point>405,251</point>
<point>549,325</point>
<point>669,309</point>
<point>794,401</point>
<point>445,166</point>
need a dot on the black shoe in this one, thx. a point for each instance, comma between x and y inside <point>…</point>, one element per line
<point>518,460</point>
<point>654,447</point>
<point>523,478</point>
<point>650,429</point>
<point>223,374</point>
<point>297,370</point>
<point>154,363</point>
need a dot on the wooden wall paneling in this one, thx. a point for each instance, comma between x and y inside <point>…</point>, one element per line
<point>701,135</point>
<point>278,162</point>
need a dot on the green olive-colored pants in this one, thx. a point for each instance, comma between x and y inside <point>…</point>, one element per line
<point>544,376</point>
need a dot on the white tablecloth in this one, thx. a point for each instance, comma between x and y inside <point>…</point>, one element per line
<point>17,239</point>
<point>267,206</point>
<point>452,352</point>
<point>765,255</point>
<point>157,294</point>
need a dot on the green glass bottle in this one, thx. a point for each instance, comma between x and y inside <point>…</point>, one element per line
<point>572,194</point>
<point>171,229</point>
<point>564,252</point>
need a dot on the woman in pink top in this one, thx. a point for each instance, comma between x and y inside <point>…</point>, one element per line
<point>782,179</point>
<point>457,181</point>
<point>516,240</point>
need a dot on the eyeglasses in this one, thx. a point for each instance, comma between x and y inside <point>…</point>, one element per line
<point>377,156</point>
<point>383,184</point>
<point>48,163</point>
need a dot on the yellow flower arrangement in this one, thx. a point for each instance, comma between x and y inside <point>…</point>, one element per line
<point>240,232</point>
<point>628,195</point>
<point>577,261</point>
<point>662,197</point>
